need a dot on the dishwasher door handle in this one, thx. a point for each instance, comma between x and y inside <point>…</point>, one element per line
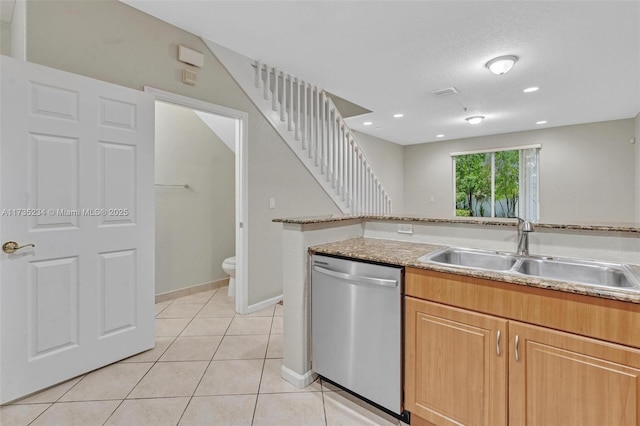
<point>356,278</point>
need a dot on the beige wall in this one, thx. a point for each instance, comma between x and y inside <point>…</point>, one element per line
<point>113,42</point>
<point>387,159</point>
<point>5,38</point>
<point>587,172</point>
<point>195,227</point>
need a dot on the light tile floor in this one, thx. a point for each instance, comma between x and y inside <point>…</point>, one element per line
<point>209,367</point>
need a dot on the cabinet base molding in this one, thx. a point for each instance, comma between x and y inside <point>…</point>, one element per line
<point>419,421</point>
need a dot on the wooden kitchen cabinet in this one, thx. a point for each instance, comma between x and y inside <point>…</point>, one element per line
<point>455,374</point>
<point>563,379</point>
<point>456,365</point>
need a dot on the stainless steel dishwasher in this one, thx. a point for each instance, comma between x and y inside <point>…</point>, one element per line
<point>356,328</point>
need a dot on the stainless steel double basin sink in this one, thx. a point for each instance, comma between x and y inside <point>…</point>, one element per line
<point>592,273</point>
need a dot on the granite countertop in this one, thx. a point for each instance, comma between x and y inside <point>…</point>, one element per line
<point>406,254</point>
<point>611,227</point>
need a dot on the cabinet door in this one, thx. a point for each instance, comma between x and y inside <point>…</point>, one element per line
<point>563,379</point>
<point>455,365</point>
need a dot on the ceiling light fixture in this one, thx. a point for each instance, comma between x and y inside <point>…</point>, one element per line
<point>502,64</point>
<point>440,136</point>
<point>398,115</point>
<point>531,89</point>
<point>476,119</point>
<point>541,122</point>
<point>367,123</point>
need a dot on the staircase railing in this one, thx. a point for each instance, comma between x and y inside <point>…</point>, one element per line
<point>325,139</point>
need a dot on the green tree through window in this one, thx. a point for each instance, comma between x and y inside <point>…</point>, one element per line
<point>488,184</point>
<point>473,183</point>
<point>507,184</point>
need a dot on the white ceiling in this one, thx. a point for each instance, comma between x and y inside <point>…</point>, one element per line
<point>388,56</point>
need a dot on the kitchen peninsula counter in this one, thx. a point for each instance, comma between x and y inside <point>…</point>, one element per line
<point>401,240</point>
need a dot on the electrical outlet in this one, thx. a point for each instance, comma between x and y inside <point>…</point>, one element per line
<point>405,228</point>
<point>272,202</point>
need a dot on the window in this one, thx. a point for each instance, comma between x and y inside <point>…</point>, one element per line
<point>497,183</point>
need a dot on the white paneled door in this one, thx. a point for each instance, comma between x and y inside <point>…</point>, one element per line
<point>76,181</point>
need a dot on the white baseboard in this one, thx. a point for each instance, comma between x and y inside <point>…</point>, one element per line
<point>187,291</point>
<point>264,304</point>
<point>298,380</point>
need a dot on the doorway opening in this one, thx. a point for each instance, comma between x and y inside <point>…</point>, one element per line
<point>201,195</point>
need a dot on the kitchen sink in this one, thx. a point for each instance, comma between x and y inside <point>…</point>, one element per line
<point>469,258</point>
<point>601,274</point>
<point>592,273</point>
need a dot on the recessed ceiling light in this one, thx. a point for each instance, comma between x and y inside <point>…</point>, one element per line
<point>502,64</point>
<point>440,136</point>
<point>476,119</point>
<point>541,122</point>
<point>398,115</point>
<point>531,89</point>
<point>367,123</point>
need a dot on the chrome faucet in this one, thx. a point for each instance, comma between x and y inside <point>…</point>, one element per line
<point>524,229</point>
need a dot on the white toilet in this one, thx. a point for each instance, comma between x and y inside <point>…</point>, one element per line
<point>229,267</point>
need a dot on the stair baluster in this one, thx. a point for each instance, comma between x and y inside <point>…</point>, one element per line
<point>313,120</point>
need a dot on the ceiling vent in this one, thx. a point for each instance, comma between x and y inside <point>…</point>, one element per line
<point>444,92</point>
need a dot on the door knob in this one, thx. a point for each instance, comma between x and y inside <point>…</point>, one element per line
<point>11,247</point>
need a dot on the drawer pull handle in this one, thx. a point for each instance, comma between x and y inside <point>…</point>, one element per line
<point>498,343</point>
<point>517,355</point>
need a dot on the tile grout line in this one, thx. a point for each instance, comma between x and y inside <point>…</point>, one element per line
<point>134,386</point>
<point>324,406</point>
<point>210,361</point>
<point>59,398</point>
<point>44,411</point>
<point>158,360</point>
<point>166,305</point>
<point>264,362</point>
